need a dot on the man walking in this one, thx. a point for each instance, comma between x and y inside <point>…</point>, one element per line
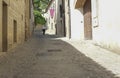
<point>44,29</point>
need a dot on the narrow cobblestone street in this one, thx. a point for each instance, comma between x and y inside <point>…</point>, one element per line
<point>49,57</point>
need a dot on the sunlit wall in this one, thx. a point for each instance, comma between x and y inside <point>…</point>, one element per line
<point>106,22</point>
<point>77,23</point>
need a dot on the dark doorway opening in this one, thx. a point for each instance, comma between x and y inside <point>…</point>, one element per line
<point>87,20</point>
<point>25,30</point>
<point>4,26</point>
<point>15,31</point>
<point>63,12</point>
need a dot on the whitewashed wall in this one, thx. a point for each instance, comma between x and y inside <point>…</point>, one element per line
<point>77,23</point>
<point>108,30</point>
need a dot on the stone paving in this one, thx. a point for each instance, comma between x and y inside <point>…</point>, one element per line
<point>106,58</point>
<point>49,57</point>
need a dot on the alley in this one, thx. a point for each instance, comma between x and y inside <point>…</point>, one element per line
<point>49,57</point>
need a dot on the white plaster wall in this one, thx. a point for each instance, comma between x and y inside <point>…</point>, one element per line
<point>108,30</point>
<point>77,29</point>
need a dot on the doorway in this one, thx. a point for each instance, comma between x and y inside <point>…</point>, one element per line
<point>64,22</point>
<point>4,26</point>
<point>87,20</point>
<point>25,30</point>
<point>15,31</point>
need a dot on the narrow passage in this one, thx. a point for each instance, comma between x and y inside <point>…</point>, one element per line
<point>49,57</point>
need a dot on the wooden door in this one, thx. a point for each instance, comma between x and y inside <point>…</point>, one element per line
<point>87,20</point>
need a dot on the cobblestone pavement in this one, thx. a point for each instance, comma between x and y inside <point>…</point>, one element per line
<point>49,57</point>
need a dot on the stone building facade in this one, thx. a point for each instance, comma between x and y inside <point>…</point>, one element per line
<point>32,23</point>
<point>14,23</point>
<point>60,18</point>
<point>95,20</point>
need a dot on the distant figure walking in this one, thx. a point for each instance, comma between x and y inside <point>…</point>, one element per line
<point>44,29</point>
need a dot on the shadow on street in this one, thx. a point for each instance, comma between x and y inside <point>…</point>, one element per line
<point>43,56</point>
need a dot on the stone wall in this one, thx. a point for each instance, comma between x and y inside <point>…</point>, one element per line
<point>27,19</point>
<point>59,18</point>
<point>16,10</point>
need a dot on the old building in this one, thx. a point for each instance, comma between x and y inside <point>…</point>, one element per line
<point>85,18</point>
<point>32,23</point>
<point>58,21</point>
<point>27,18</point>
<point>69,21</point>
<point>14,23</point>
<point>60,18</point>
<point>67,14</point>
<point>50,16</point>
<point>96,20</point>
<point>101,21</point>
